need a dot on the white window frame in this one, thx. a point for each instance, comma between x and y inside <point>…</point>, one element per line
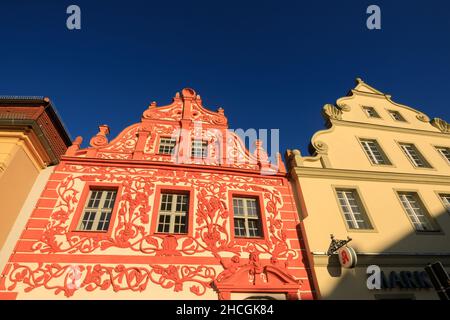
<point>371,147</point>
<point>414,155</point>
<point>199,148</point>
<point>415,210</point>
<point>246,217</point>
<point>350,213</point>
<point>394,114</point>
<point>106,196</point>
<point>368,110</point>
<point>445,198</point>
<point>166,143</point>
<point>173,213</point>
<point>444,152</point>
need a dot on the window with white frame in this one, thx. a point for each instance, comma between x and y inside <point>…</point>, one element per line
<point>199,149</point>
<point>246,217</point>
<point>98,210</point>
<point>173,213</point>
<point>446,201</point>
<point>445,152</point>
<point>371,112</point>
<point>167,145</point>
<point>354,213</point>
<point>414,155</point>
<point>416,211</point>
<point>374,151</point>
<point>396,116</point>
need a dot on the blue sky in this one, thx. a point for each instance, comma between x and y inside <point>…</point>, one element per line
<point>269,64</point>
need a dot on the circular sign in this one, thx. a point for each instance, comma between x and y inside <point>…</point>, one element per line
<point>347,257</point>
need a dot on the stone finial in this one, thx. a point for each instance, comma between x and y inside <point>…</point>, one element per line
<point>100,140</point>
<point>332,112</point>
<point>280,163</point>
<point>260,153</point>
<point>188,93</point>
<point>442,125</point>
<point>78,141</point>
<point>294,158</point>
<point>75,146</point>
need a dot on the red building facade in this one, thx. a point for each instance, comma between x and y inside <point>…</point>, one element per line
<point>175,207</point>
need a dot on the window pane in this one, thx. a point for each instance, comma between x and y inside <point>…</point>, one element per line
<point>110,198</point>
<point>396,115</point>
<point>253,227</point>
<point>373,151</point>
<point>173,213</point>
<point>415,211</point>
<point>239,227</point>
<point>238,207</point>
<point>98,210</point>
<point>88,220</point>
<point>354,215</point>
<point>167,145</point>
<point>104,221</point>
<point>164,223</point>
<point>246,217</point>
<point>199,148</point>
<point>445,152</point>
<point>414,155</point>
<point>166,202</point>
<point>94,200</point>
<point>370,111</point>
<point>446,200</point>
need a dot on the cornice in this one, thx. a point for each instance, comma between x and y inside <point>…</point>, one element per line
<point>28,141</point>
<point>361,175</point>
<point>26,125</point>
<point>160,164</point>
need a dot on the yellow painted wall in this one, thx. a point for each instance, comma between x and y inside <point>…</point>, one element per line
<point>16,180</point>
<point>340,161</point>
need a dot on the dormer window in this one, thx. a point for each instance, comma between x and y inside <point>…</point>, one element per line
<point>199,149</point>
<point>396,115</point>
<point>167,145</point>
<point>371,112</point>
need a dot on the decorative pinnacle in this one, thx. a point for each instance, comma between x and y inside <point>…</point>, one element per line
<point>188,93</point>
<point>103,130</point>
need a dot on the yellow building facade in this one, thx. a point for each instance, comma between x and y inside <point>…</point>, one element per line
<point>379,174</point>
<point>32,138</point>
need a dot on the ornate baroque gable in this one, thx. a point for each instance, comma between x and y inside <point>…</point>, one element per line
<point>351,108</point>
<point>185,120</point>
